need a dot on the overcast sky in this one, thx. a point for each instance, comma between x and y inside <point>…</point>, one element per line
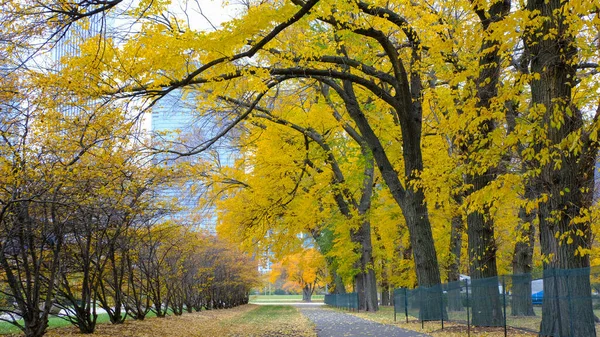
<point>204,14</point>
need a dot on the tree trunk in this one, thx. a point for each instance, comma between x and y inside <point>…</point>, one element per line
<point>385,285</point>
<point>31,276</point>
<point>483,269</point>
<point>522,304</point>
<point>35,326</point>
<point>487,309</point>
<point>568,186</point>
<point>385,295</point>
<point>306,293</point>
<point>365,282</point>
<point>411,200</point>
<point>454,294</point>
<point>567,305</point>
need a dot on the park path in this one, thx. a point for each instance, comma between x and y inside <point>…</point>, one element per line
<point>331,323</point>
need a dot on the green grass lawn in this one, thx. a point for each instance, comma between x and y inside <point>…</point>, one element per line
<point>53,322</point>
<point>57,322</point>
<point>282,298</point>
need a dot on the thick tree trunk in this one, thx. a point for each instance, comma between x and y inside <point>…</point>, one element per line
<point>567,305</point>
<point>522,304</point>
<point>568,186</point>
<point>421,239</point>
<point>365,282</point>
<point>411,200</point>
<point>367,291</point>
<point>454,294</point>
<point>487,309</point>
<point>482,257</point>
<point>414,206</point>
<point>306,293</point>
<point>35,326</point>
<point>423,249</point>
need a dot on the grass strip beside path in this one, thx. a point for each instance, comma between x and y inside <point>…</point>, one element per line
<point>272,321</point>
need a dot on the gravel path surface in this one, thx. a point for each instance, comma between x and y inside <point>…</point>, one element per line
<point>330,323</point>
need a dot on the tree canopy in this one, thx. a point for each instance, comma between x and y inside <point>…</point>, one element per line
<point>410,142</point>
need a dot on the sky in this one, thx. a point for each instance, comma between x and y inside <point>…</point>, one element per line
<point>202,15</point>
<point>207,14</point>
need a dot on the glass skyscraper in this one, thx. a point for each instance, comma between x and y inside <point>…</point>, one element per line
<point>174,123</point>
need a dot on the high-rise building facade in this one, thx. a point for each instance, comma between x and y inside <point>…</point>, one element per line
<point>173,124</point>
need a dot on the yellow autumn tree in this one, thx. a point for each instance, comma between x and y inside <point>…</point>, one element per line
<point>516,121</point>
<point>304,271</point>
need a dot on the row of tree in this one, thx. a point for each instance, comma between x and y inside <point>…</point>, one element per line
<point>489,138</point>
<point>85,222</point>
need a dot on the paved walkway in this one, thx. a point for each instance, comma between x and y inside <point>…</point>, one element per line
<point>332,323</point>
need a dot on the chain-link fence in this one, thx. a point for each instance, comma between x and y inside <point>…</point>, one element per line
<point>347,301</point>
<point>569,297</point>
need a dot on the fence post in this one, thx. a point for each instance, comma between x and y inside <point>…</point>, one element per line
<point>442,305</point>
<point>504,300</point>
<point>395,302</point>
<point>468,305</point>
<point>406,303</point>
<point>348,302</point>
<point>421,308</point>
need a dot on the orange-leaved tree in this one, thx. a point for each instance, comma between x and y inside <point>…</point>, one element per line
<point>304,271</point>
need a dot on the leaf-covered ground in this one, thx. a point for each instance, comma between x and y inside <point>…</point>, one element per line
<point>244,321</point>
<point>386,315</point>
